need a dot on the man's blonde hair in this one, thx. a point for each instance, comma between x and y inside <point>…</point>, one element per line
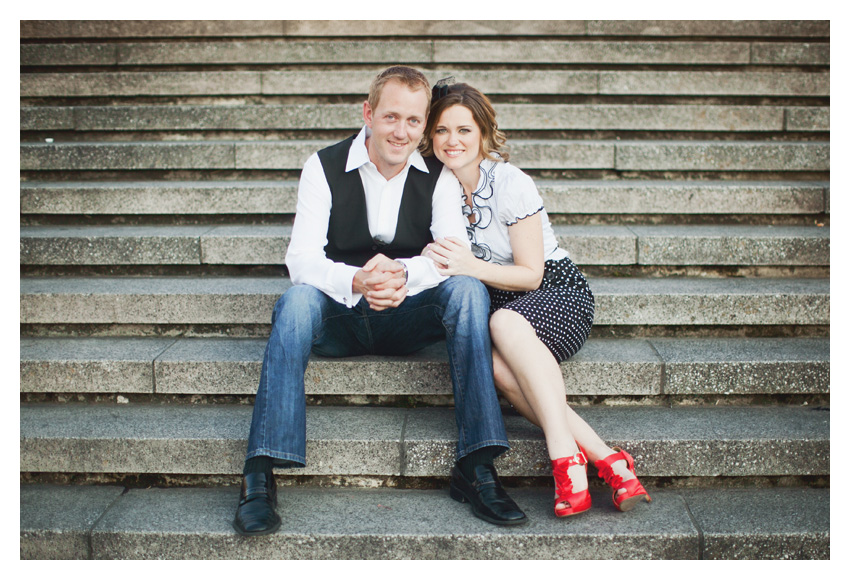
<point>409,77</point>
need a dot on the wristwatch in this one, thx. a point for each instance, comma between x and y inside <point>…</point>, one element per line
<point>403,265</point>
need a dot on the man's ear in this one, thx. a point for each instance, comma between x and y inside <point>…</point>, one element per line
<point>367,114</point>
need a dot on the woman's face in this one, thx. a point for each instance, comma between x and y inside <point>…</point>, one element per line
<point>457,139</point>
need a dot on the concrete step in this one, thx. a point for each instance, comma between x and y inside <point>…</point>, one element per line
<point>425,52</point>
<point>511,117</point>
<point>335,28</point>
<point>680,441</point>
<point>87,522</point>
<point>652,197</point>
<point>491,82</point>
<point>613,367</point>
<point>588,245</point>
<point>249,300</point>
<point>526,154</point>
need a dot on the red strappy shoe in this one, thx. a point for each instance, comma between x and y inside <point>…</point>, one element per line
<point>576,502</point>
<point>634,490</point>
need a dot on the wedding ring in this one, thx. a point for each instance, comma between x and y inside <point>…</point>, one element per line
<point>448,263</point>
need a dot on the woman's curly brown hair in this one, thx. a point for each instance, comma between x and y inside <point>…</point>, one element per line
<point>492,139</point>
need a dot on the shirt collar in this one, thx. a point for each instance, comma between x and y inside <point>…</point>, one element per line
<point>358,155</point>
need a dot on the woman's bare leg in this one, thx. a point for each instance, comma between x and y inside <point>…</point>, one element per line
<point>530,379</point>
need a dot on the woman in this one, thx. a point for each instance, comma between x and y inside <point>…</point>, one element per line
<point>541,306</point>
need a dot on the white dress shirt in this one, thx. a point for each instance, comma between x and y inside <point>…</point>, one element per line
<point>305,257</point>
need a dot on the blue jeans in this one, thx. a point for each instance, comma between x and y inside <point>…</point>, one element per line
<point>306,319</point>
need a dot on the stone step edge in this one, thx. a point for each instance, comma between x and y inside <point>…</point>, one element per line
<point>653,245</point>
<point>427,52</point>
<point>94,29</point>
<point>250,300</point>
<point>681,441</point>
<point>560,196</point>
<point>759,83</point>
<point>626,155</point>
<point>715,118</point>
<point>606,366</point>
<point>88,522</point>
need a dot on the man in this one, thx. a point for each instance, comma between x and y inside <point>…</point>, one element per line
<point>366,208</point>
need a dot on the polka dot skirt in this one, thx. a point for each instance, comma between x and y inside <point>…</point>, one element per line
<point>560,310</point>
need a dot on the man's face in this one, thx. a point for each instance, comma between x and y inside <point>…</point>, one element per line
<point>397,124</point>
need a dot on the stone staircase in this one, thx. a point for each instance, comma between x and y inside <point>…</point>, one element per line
<point>685,165</point>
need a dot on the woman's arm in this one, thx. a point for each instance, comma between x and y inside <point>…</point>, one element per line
<point>526,237</point>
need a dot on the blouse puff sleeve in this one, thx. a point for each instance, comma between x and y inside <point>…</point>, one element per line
<point>518,196</point>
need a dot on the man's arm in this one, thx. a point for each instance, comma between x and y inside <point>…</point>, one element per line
<point>446,220</point>
<point>305,257</point>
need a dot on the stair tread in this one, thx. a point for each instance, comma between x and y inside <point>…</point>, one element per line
<point>353,523</point>
<point>654,366</point>
<point>266,244</point>
<point>208,439</point>
<point>249,300</point>
<point>734,118</point>
<point>560,196</point>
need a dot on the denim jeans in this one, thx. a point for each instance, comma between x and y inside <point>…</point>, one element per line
<point>306,319</point>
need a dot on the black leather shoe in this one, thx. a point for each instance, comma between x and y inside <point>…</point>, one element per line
<point>489,500</point>
<point>256,514</point>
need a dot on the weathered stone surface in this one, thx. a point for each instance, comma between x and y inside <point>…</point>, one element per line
<point>233,117</point>
<point>535,51</point>
<point>276,52</point>
<point>225,300</point>
<point>227,366</point>
<point>791,28</point>
<point>232,366</point>
<point>510,116</point>
<point>139,155</point>
<point>682,197</point>
<point>386,524</point>
<point>47,118</point>
<point>90,365</point>
<point>527,154</point>
<point>76,54</point>
<point>204,439</point>
<point>790,53</point>
<point>598,244</point>
<point>247,28</point>
<point>663,441</point>
<point>276,155</point>
<point>640,117</point>
<point>347,82</point>
<point>729,245</point>
<point>351,523</point>
<point>728,156</point>
<point>245,245</point>
<point>155,28</point>
<point>807,119</point>
<point>92,245</point>
<point>160,197</point>
<point>140,83</point>
<point>151,300</point>
<point>56,521</point>
<point>744,365</point>
<point>211,439</point>
<point>764,524</point>
<point>573,196</point>
<point>713,83</point>
<point>538,154</point>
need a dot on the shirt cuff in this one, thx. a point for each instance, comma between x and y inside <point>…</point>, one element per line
<point>421,274</point>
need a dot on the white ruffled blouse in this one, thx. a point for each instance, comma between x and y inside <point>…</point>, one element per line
<point>504,196</point>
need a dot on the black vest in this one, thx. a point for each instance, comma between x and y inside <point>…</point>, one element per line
<point>349,240</point>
